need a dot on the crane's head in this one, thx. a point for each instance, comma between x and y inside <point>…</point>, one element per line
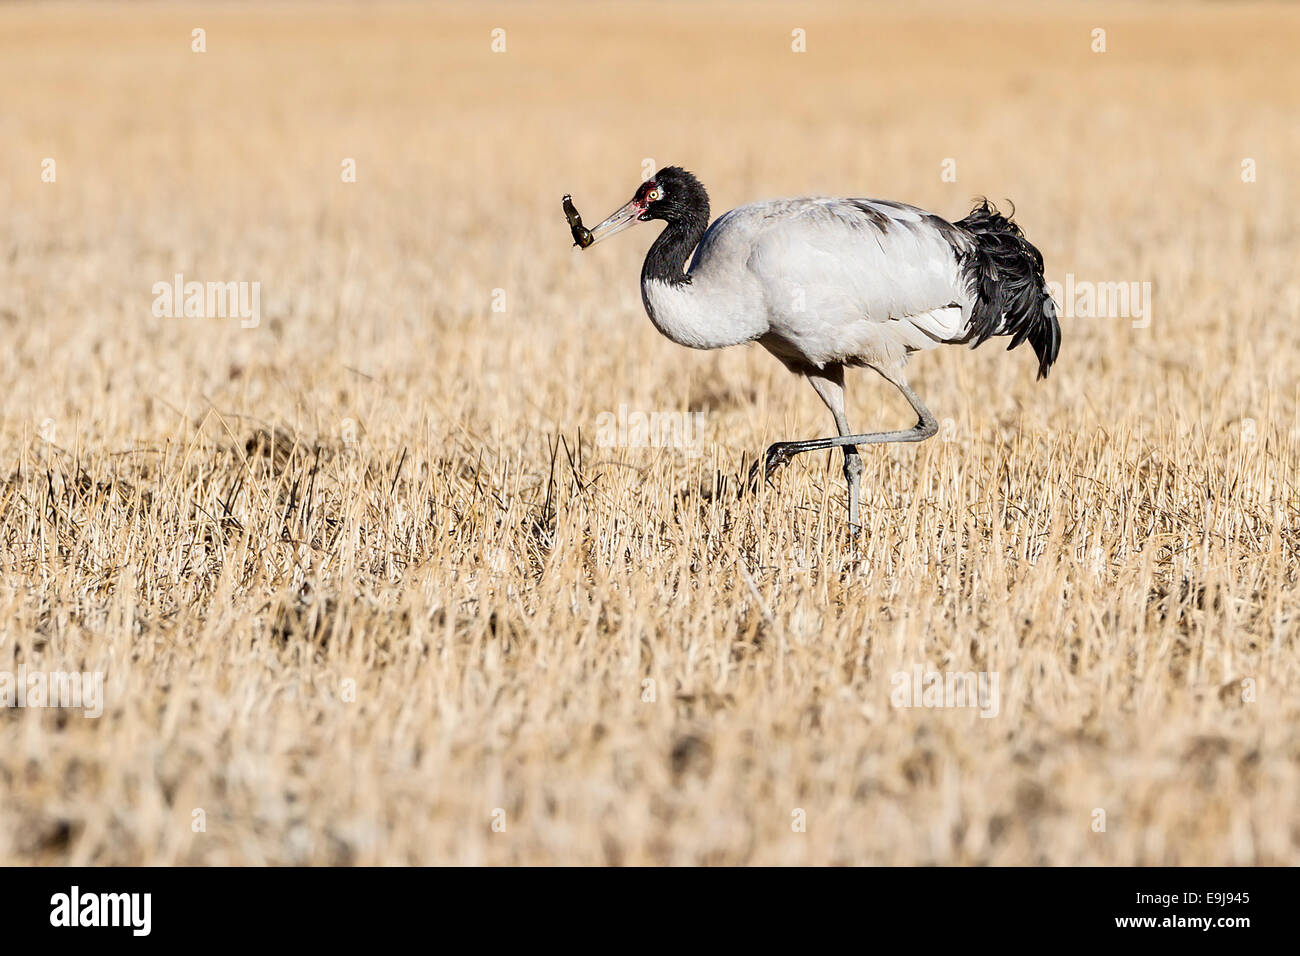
<point>672,194</point>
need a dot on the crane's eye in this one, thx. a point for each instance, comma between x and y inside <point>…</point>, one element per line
<point>654,195</point>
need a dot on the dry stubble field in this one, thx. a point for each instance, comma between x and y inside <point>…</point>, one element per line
<point>362,582</point>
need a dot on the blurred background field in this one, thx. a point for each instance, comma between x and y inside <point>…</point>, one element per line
<point>362,582</point>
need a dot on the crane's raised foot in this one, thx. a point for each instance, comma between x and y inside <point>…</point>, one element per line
<point>776,457</point>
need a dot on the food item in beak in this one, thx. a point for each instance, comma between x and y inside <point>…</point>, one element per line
<point>581,236</point>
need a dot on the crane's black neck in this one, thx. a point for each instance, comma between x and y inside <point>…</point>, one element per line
<point>666,260</point>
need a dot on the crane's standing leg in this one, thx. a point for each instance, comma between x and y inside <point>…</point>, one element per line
<point>829,385</point>
<point>926,426</point>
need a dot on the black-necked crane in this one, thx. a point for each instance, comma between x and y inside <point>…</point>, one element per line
<point>825,283</point>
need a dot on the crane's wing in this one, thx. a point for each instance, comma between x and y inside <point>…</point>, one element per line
<point>847,279</point>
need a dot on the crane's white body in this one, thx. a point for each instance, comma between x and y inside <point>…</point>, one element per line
<point>821,281</point>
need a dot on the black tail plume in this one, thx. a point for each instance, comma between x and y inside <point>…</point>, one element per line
<point>1005,276</point>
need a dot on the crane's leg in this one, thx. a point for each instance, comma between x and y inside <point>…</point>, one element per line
<point>828,383</point>
<point>926,426</point>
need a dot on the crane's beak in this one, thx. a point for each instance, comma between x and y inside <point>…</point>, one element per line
<point>617,222</point>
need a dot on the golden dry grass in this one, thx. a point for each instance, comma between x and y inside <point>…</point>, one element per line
<point>388,483</point>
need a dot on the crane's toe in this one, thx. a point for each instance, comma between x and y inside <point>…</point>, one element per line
<point>776,457</point>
